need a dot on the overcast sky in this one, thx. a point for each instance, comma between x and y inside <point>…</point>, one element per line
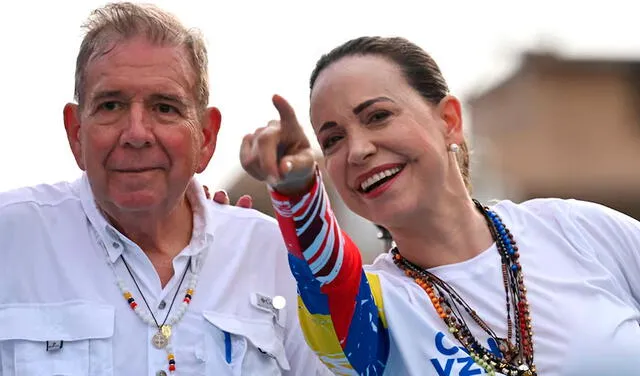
<point>258,48</point>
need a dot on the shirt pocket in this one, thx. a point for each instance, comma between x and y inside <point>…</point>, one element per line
<point>61,339</point>
<point>244,346</point>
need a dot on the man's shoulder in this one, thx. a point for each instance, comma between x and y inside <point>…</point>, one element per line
<point>38,197</point>
<point>32,217</point>
<point>250,225</point>
<point>245,228</point>
<point>229,213</point>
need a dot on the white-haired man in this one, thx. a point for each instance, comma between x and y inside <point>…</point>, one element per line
<point>131,270</point>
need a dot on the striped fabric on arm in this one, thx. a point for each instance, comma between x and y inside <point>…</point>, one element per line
<point>340,306</point>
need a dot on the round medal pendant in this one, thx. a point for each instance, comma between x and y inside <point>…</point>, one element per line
<point>159,341</point>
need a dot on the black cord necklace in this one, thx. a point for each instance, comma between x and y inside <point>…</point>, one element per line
<point>163,329</point>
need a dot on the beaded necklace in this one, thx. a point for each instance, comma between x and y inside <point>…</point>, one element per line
<point>162,339</point>
<point>516,359</point>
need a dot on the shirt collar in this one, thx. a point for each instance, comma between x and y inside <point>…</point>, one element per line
<point>114,242</point>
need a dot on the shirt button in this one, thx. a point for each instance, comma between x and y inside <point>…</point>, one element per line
<point>116,245</point>
<point>162,305</point>
<point>161,373</point>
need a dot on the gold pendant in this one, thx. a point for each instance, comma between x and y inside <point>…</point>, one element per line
<point>159,340</point>
<point>525,368</point>
<point>166,330</point>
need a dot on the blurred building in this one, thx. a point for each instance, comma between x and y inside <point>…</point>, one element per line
<point>561,128</point>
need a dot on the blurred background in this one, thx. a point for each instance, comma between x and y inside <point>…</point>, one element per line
<point>551,89</point>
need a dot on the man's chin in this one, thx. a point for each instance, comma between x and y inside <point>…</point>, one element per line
<point>136,201</point>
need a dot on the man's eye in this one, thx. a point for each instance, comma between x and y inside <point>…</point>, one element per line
<point>166,108</point>
<point>110,106</point>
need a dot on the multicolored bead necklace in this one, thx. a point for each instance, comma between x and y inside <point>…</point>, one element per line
<point>516,360</point>
<point>162,339</point>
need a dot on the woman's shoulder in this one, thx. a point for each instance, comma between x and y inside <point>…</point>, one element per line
<point>587,223</point>
<point>559,210</point>
<point>384,266</point>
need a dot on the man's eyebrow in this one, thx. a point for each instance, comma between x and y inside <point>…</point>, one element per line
<point>107,94</point>
<point>177,100</point>
<point>170,98</point>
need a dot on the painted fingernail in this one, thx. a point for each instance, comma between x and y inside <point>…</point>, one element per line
<point>271,180</point>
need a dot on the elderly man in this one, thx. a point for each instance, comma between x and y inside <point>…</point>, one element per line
<point>130,270</point>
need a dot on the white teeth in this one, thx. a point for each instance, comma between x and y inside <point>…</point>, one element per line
<point>379,176</point>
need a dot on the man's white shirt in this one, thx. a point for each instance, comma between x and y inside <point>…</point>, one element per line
<point>62,313</point>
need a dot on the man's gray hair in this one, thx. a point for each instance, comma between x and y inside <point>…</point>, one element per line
<point>118,22</point>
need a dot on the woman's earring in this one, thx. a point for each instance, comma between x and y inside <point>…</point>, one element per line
<point>454,148</point>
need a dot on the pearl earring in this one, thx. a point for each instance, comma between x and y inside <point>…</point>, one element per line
<point>454,148</point>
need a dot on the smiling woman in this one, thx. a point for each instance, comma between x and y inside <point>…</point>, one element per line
<point>468,289</point>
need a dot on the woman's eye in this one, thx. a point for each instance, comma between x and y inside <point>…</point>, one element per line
<point>330,141</point>
<point>379,116</point>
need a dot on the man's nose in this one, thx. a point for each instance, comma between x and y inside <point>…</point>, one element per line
<point>139,129</point>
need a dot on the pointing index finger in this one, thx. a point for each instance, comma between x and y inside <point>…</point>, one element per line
<point>288,119</point>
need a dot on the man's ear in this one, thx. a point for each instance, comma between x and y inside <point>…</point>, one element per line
<point>71,118</point>
<point>450,111</point>
<point>211,126</point>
